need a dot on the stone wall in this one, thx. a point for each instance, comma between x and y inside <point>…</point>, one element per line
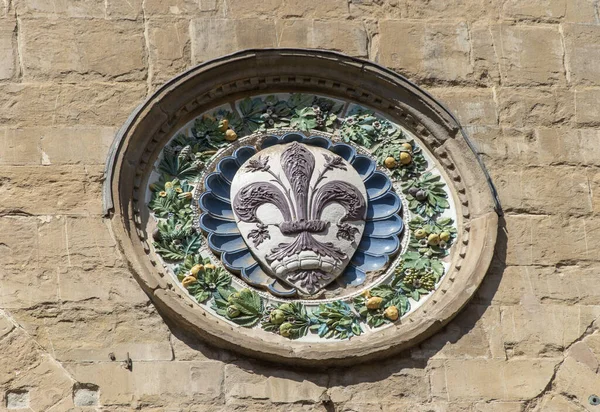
<point>522,76</point>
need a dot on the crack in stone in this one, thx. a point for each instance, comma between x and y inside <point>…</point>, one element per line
<point>532,403</point>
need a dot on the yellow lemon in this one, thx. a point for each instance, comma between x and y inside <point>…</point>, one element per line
<point>405,158</point>
<point>230,135</point>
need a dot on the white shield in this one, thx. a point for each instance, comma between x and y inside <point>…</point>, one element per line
<point>301,210</point>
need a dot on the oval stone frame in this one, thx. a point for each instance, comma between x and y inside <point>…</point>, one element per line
<point>264,71</point>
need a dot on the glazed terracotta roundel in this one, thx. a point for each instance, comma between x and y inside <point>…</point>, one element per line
<point>280,211</point>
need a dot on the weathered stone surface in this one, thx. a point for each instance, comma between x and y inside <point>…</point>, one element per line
<point>429,51</point>
<point>157,382</point>
<point>557,403</point>
<point>568,285</point>
<point>486,379</point>
<point>528,55</point>
<point>578,381</point>
<point>216,37</point>
<point>523,107</point>
<point>582,44</point>
<point>471,106</point>
<point>547,10</point>
<point>544,330</point>
<point>19,147</point>
<point>67,8</point>
<point>90,332</point>
<point>18,242</point>
<point>40,104</point>
<point>582,11</point>
<point>408,381</point>
<point>546,240</point>
<point>244,9</point>
<point>185,7</point>
<point>544,190</point>
<point>113,50</point>
<point>485,54</point>
<point>18,291</point>
<point>457,9</point>
<point>351,38</point>
<point>124,9</point>
<point>169,41</point>
<point>586,107</point>
<point>484,337</point>
<point>539,147</point>
<point>111,286</point>
<point>8,64</point>
<point>68,189</point>
<point>242,382</point>
<point>49,145</point>
<point>333,9</point>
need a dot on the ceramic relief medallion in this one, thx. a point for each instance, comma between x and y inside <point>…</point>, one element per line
<point>301,210</point>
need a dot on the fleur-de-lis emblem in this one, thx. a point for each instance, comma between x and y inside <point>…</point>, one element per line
<point>301,196</point>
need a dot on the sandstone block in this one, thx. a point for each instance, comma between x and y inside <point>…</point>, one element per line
<point>534,240</point>
<point>63,8</point>
<point>587,102</point>
<point>543,330</point>
<point>244,9</point>
<point>124,9</point>
<point>581,11</point>
<point>457,9</point>
<point>6,326</point>
<point>346,37</point>
<point>48,381</point>
<point>90,244</point>
<point>8,66</point>
<point>108,286</point>
<point>74,145</point>
<point>158,382</point>
<point>184,7</point>
<point>529,55</point>
<point>485,56</point>
<point>577,381</point>
<point>543,190</point>
<point>90,332</point>
<point>247,382</point>
<point>334,9</point>
<point>407,381</point>
<point>113,49</point>
<point>582,44</point>
<point>539,147</point>
<point>19,354</point>
<point>474,333</point>
<point>429,51</point>
<point>36,287</point>
<point>212,38</point>
<point>19,147</point>
<point>557,403</point>
<point>486,379</point>
<point>189,348</point>
<point>169,48</point>
<point>18,242</point>
<point>85,243</point>
<point>495,406</point>
<point>521,107</point>
<point>471,106</point>
<point>105,104</point>
<point>68,189</point>
<point>548,10</point>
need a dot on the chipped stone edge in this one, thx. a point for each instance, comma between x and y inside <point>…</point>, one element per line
<point>264,71</point>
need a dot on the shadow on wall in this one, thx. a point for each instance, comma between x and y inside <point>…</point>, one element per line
<point>468,335</point>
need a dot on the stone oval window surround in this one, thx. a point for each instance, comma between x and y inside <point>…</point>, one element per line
<point>255,102</point>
